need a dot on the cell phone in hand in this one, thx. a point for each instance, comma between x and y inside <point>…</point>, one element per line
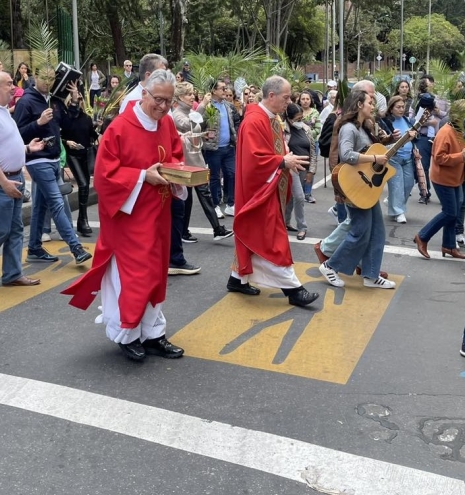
<point>79,146</point>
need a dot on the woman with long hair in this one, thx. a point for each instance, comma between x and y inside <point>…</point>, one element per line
<point>77,136</point>
<point>23,77</point>
<point>404,90</point>
<point>311,118</point>
<point>95,79</point>
<point>401,185</point>
<point>365,239</point>
<point>447,175</point>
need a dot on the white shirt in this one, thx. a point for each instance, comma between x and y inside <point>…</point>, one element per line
<point>135,94</point>
<point>12,152</point>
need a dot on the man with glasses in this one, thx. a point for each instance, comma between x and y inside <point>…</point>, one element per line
<point>133,249</point>
<point>148,63</point>
<point>38,114</point>
<point>220,150</point>
<point>127,69</point>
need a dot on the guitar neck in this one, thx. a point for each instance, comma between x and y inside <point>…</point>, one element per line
<point>403,140</point>
<point>398,145</point>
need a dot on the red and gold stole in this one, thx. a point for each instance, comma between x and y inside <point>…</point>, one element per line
<point>279,147</point>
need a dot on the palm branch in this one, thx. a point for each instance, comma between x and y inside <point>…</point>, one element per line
<point>43,44</point>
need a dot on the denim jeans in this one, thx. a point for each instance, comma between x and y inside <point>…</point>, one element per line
<point>11,232</point>
<point>425,148</point>
<point>297,202</point>
<point>400,185</point>
<point>341,212</point>
<point>451,201</point>
<point>46,176</point>
<point>48,216</point>
<point>459,226</point>
<point>364,241</point>
<point>222,160</point>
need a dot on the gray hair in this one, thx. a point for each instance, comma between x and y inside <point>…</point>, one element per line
<point>273,84</point>
<point>363,85</point>
<point>332,93</point>
<point>160,76</point>
<point>150,62</point>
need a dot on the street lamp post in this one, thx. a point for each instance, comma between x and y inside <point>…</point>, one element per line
<point>428,43</point>
<point>402,54</point>
<point>77,63</point>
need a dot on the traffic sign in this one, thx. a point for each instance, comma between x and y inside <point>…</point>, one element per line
<point>412,60</point>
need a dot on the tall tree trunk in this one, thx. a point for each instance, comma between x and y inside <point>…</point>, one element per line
<point>178,28</point>
<point>116,33</point>
<point>18,36</point>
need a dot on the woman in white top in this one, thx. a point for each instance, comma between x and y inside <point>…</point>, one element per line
<point>95,81</point>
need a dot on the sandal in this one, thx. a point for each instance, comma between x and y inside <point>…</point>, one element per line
<point>301,235</point>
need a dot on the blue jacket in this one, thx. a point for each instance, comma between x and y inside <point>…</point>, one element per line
<point>28,111</point>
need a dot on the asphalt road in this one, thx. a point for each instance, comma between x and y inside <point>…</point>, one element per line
<point>363,393</point>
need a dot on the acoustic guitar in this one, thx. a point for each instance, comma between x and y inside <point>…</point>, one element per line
<point>363,184</point>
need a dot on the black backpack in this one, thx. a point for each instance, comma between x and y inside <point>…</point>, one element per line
<point>326,135</point>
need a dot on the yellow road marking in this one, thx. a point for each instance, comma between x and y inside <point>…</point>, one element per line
<point>50,274</point>
<point>330,340</point>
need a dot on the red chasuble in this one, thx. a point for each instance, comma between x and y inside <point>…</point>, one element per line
<point>140,241</point>
<point>258,222</point>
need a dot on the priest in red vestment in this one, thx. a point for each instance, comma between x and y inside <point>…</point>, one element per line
<point>131,260</point>
<point>263,254</point>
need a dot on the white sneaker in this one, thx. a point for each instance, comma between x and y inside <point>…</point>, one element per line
<point>401,218</point>
<point>386,201</point>
<point>330,275</point>
<point>333,214</point>
<point>379,283</point>
<point>229,210</point>
<point>219,213</point>
<point>460,238</point>
<point>46,237</point>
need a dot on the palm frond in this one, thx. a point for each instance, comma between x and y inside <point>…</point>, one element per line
<point>44,45</point>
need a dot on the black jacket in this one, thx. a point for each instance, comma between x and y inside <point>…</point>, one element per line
<point>28,111</point>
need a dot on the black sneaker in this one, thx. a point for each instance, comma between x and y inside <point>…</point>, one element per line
<point>40,256</point>
<point>189,238</point>
<point>186,269</point>
<point>81,255</point>
<point>462,351</point>
<point>221,233</point>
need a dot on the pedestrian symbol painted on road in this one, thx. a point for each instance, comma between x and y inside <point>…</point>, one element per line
<point>324,341</point>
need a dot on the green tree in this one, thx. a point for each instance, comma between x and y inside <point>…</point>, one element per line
<point>444,40</point>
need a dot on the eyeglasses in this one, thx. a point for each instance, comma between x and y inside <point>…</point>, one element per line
<point>159,101</point>
<point>246,94</point>
<point>128,65</point>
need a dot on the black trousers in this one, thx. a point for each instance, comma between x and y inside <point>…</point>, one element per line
<point>206,202</point>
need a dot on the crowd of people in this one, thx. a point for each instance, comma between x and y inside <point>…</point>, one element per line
<point>261,147</point>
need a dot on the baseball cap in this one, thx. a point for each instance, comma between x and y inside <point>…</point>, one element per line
<point>332,84</point>
<point>186,62</point>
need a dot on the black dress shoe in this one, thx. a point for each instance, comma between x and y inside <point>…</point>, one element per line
<point>234,285</point>
<point>302,297</point>
<point>134,350</point>
<point>162,347</point>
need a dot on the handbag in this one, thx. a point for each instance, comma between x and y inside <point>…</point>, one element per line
<point>67,187</point>
<point>91,155</point>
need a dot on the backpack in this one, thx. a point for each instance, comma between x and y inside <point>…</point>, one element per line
<point>326,135</point>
